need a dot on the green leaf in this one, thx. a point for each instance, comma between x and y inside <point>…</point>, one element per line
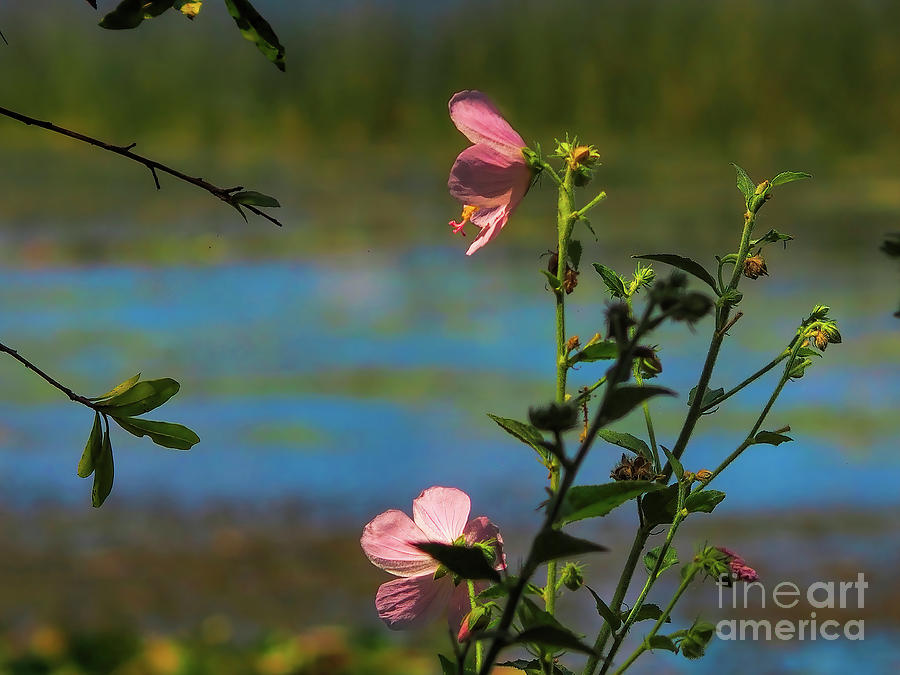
<point>599,351</point>
<point>256,29</point>
<point>166,434</point>
<point>744,184</point>
<point>686,264</point>
<point>142,397</point>
<point>119,388</point>
<point>593,501</point>
<point>625,398</point>
<point>553,637</point>
<point>253,198</point>
<point>798,368</point>
<point>770,237</point>
<point>603,610</point>
<point>677,469</point>
<point>127,14</point>
<point>551,544</point>
<point>552,280</point>
<point>662,642</point>
<point>467,562</point>
<point>627,441</point>
<point>649,611</point>
<point>525,433</point>
<point>704,501</point>
<point>709,396</point>
<point>771,438</point>
<point>659,506</point>
<point>789,177</point>
<point>92,449</point>
<point>613,281</point>
<point>104,472</point>
<point>575,250</point>
<point>650,557</point>
<point>448,667</point>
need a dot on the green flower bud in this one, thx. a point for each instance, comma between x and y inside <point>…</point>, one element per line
<point>572,577</point>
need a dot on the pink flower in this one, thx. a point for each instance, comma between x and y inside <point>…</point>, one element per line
<point>740,570</point>
<point>491,177</point>
<point>439,514</point>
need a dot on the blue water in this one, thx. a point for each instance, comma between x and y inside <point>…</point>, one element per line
<point>288,329</point>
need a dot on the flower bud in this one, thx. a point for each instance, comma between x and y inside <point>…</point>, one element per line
<point>754,267</point>
<point>649,364</point>
<point>572,344</point>
<point>478,618</point>
<point>572,577</point>
<point>704,475</point>
<point>694,643</point>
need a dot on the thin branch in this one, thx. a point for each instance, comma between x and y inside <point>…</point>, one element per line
<point>226,195</point>
<point>63,388</point>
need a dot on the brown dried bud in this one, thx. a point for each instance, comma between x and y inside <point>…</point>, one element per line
<point>704,475</point>
<point>571,280</point>
<point>754,266</point>
<point>820,339</point>
<point>572,343</point>
<point>635,468</point>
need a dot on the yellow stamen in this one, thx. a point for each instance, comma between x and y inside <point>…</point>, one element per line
<point>467,212</point>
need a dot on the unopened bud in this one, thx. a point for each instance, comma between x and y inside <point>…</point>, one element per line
<point>478,618</point>
<point>572,344</point>
<point>704,475</point>
<point>649,365</point>
<point>572,577</point>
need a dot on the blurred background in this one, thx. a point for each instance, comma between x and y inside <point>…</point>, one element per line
<point>338,366</point>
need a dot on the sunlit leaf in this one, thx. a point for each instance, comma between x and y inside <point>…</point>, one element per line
<point>613,281</point>
<point>627,441</point>
<point>677,469</point>
<point>599,351</point>
<point>704,501</point>
<point>119,388</point>
<point>142,397</point>
<point>668,560</point>
<point>256,29</point>
<point>789,177</point>
<point>92,449</point>
<point>166,434</point>
<point>592,501</point>
<point>744,183</point>
<point>525,433</point>
<point>189,9</point>
<point>253,198</point>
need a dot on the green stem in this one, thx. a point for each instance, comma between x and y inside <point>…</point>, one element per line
<point>755,376</point>
<point>479,646</point>
<point>591,204</point>
<point>685,582</point>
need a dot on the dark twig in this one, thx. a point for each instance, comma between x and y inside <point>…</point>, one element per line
<point>226,195</point>
<point>3,37</point>
<point>63,388</point>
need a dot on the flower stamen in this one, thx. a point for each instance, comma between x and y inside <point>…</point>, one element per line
<point>466,217</point>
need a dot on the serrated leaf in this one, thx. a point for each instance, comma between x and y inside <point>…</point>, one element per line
<point>525,433</point>
<point>553,637</point>
<point>593,501</point>
<point>119,388</point>
<point>677,469</point>
<point>599,351</point>
<point>467,562</point>
<point>256,29</point>
<point>551,544</point>
<point>575,250</point>
<point>770,237</point>
<point>652,556</point>
<point>771,438</point>
<point>92,449</point>
<point>685,264</point>
<point>704,501</point>
<point>613,281</point>
<point>104,472</point>
<point>627,441</point>
<point>166,434</point>
<point>789,177</point>
<point>662,642</point>
<point>625,398</point>
<point>253,198</point>
<point>127,14</point>
<point>603,610</point>
<point>744,183</point>
<point>649,612</point>
<point>142,397</point>
<point>709,396</point>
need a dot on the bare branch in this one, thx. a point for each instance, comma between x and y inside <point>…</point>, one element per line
<point>226,195</point>
<point>64,389</point>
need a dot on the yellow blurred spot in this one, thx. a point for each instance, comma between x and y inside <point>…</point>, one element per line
<point>162,656</point>
<point>191,9</point>
<point>48,642</point>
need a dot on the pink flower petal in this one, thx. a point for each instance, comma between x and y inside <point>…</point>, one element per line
<point>481,529</point>
<point>491,221</point>
<point>441,513</point>
<point>478,119</point>
<point>406,602</point>
<point>388,542</point>
<point>483,177</point>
